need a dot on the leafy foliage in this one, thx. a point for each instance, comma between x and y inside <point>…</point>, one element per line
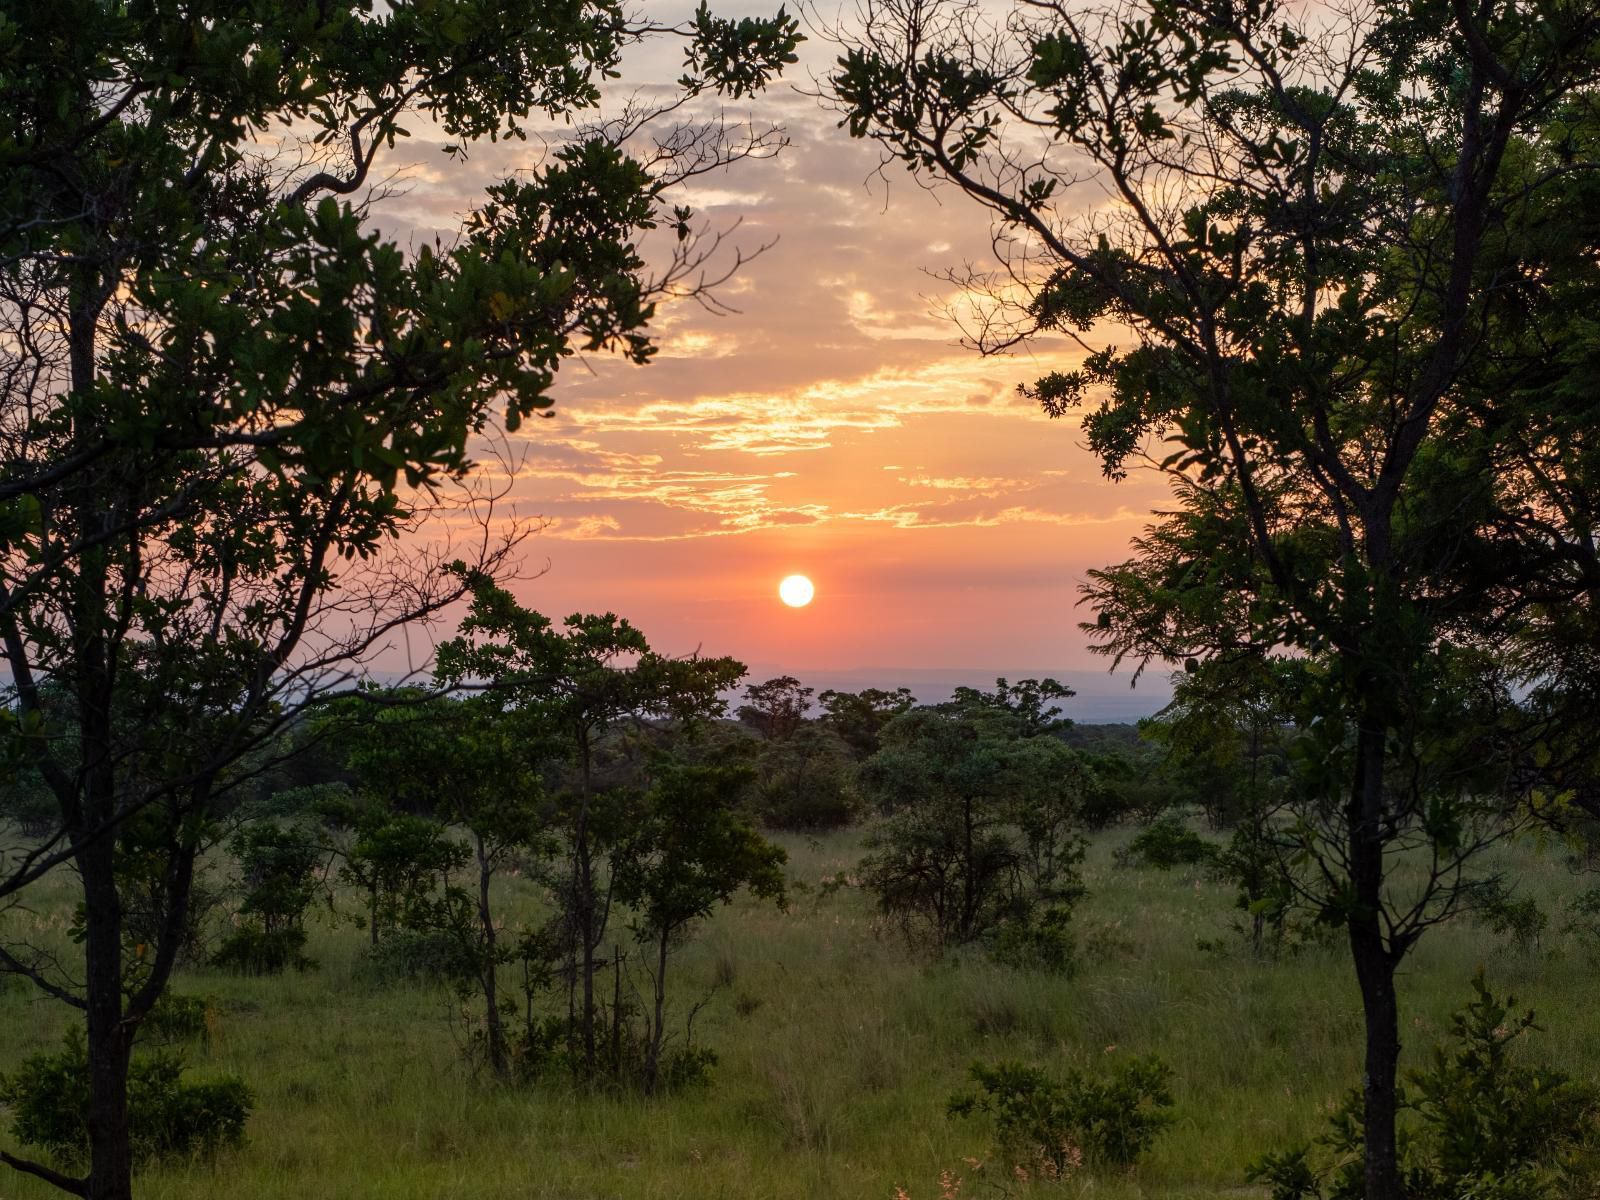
<point>1481,1124</point>
<point>981,828</point>
<point>49,1099</point>
<point>806,781</point>
<point>402,863</point>
<point>279,864</point>
<point>1075,1119</point>
<point>1166,844</point>
<point>776,708</point>
<point>859,717</point>
<point>1518,920</point>
<point>251,949</point>
<point>689,851</point>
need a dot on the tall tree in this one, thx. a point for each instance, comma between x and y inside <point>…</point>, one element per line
<point>224,395</point>
<point>1316,235</point>
<point>588,680</point>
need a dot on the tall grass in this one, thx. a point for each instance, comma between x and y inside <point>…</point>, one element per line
<point>838,1050</point>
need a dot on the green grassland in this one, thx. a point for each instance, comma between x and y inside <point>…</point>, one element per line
<point>838,1049</point>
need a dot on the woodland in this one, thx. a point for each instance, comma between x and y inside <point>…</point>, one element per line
<point>564,915</point>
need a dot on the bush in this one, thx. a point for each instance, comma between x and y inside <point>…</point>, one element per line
<point>980,838</point>
<point>417,956</point>
<point>49,1100</point>
<point>1167,844</point>
<point>806,781</point>
<point>279,863</point>
<point>144,913</point>
<point>1517,920</point>
<point>1042,940</point>
<point>176,1018</point>
<point>1064,1124</point>
<point>252,950</point>
<point>1481,1125</point>
<point>1583,915</point>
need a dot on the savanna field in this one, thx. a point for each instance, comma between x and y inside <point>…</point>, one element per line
<point>838,1049</point>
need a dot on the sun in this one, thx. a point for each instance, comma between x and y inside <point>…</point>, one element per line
<point>796,591</point>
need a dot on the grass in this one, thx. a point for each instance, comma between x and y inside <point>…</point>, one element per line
<point>838,1051</point>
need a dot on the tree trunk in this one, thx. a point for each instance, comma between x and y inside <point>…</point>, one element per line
<point>583,882</point>
<point>585,887</point>
<point>1375,966</point>
<point>494,1031</point>
<point>616,1012</point>
<point>658,1029</point>
<point>109,1039</point>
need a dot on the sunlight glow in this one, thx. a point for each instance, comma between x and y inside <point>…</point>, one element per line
<point>796,591</point>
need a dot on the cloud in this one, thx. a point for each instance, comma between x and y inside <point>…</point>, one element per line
<point>833,421</point>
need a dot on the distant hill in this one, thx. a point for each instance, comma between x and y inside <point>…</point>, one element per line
<point>1102,698</point>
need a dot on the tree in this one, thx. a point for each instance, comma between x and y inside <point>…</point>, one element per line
<point>1228,728</point>
<point>979,842</point>
<point>806,780</point>
<point>404,864</point>
<point>1030,701</point>
<point>859,717</point>
<point>225,396</point>
<point>279,864</point>
<point>473,763</point>
<point>585,681</point>
<point>776,708</point>
<point>688,852</point>
<point>1320,239</point>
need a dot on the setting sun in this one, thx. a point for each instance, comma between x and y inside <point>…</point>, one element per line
<point>796,591</point>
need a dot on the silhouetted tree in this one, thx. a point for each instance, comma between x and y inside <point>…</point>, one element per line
<point>1322,239</point>
<point>859,717</point>
<point>225,395</point>
<point>776,708</point>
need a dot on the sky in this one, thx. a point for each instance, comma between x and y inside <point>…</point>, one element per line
<point>831,425</point>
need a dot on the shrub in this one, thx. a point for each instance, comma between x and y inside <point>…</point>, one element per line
<point>176,1018</point>
<point>1063,1123</point>
<point>1583,915</point>
<point>418,956</point>
<point>1167,844</point>
<point>49,1098</point>
<point>252,950</point>
<point>806,781</point>
<point>1481,1125</point>
<point>1517,920</point>
<point>280,868</point>
<point>981,831</point>
<point>1040,940</point>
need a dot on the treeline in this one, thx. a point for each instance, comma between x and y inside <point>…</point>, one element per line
<point>541,830</point>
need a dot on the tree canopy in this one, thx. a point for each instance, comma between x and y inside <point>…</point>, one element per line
<point>225,394</point>
<point>1330,251</point>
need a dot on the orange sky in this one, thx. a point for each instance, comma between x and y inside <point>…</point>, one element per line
<point>832,426</point>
